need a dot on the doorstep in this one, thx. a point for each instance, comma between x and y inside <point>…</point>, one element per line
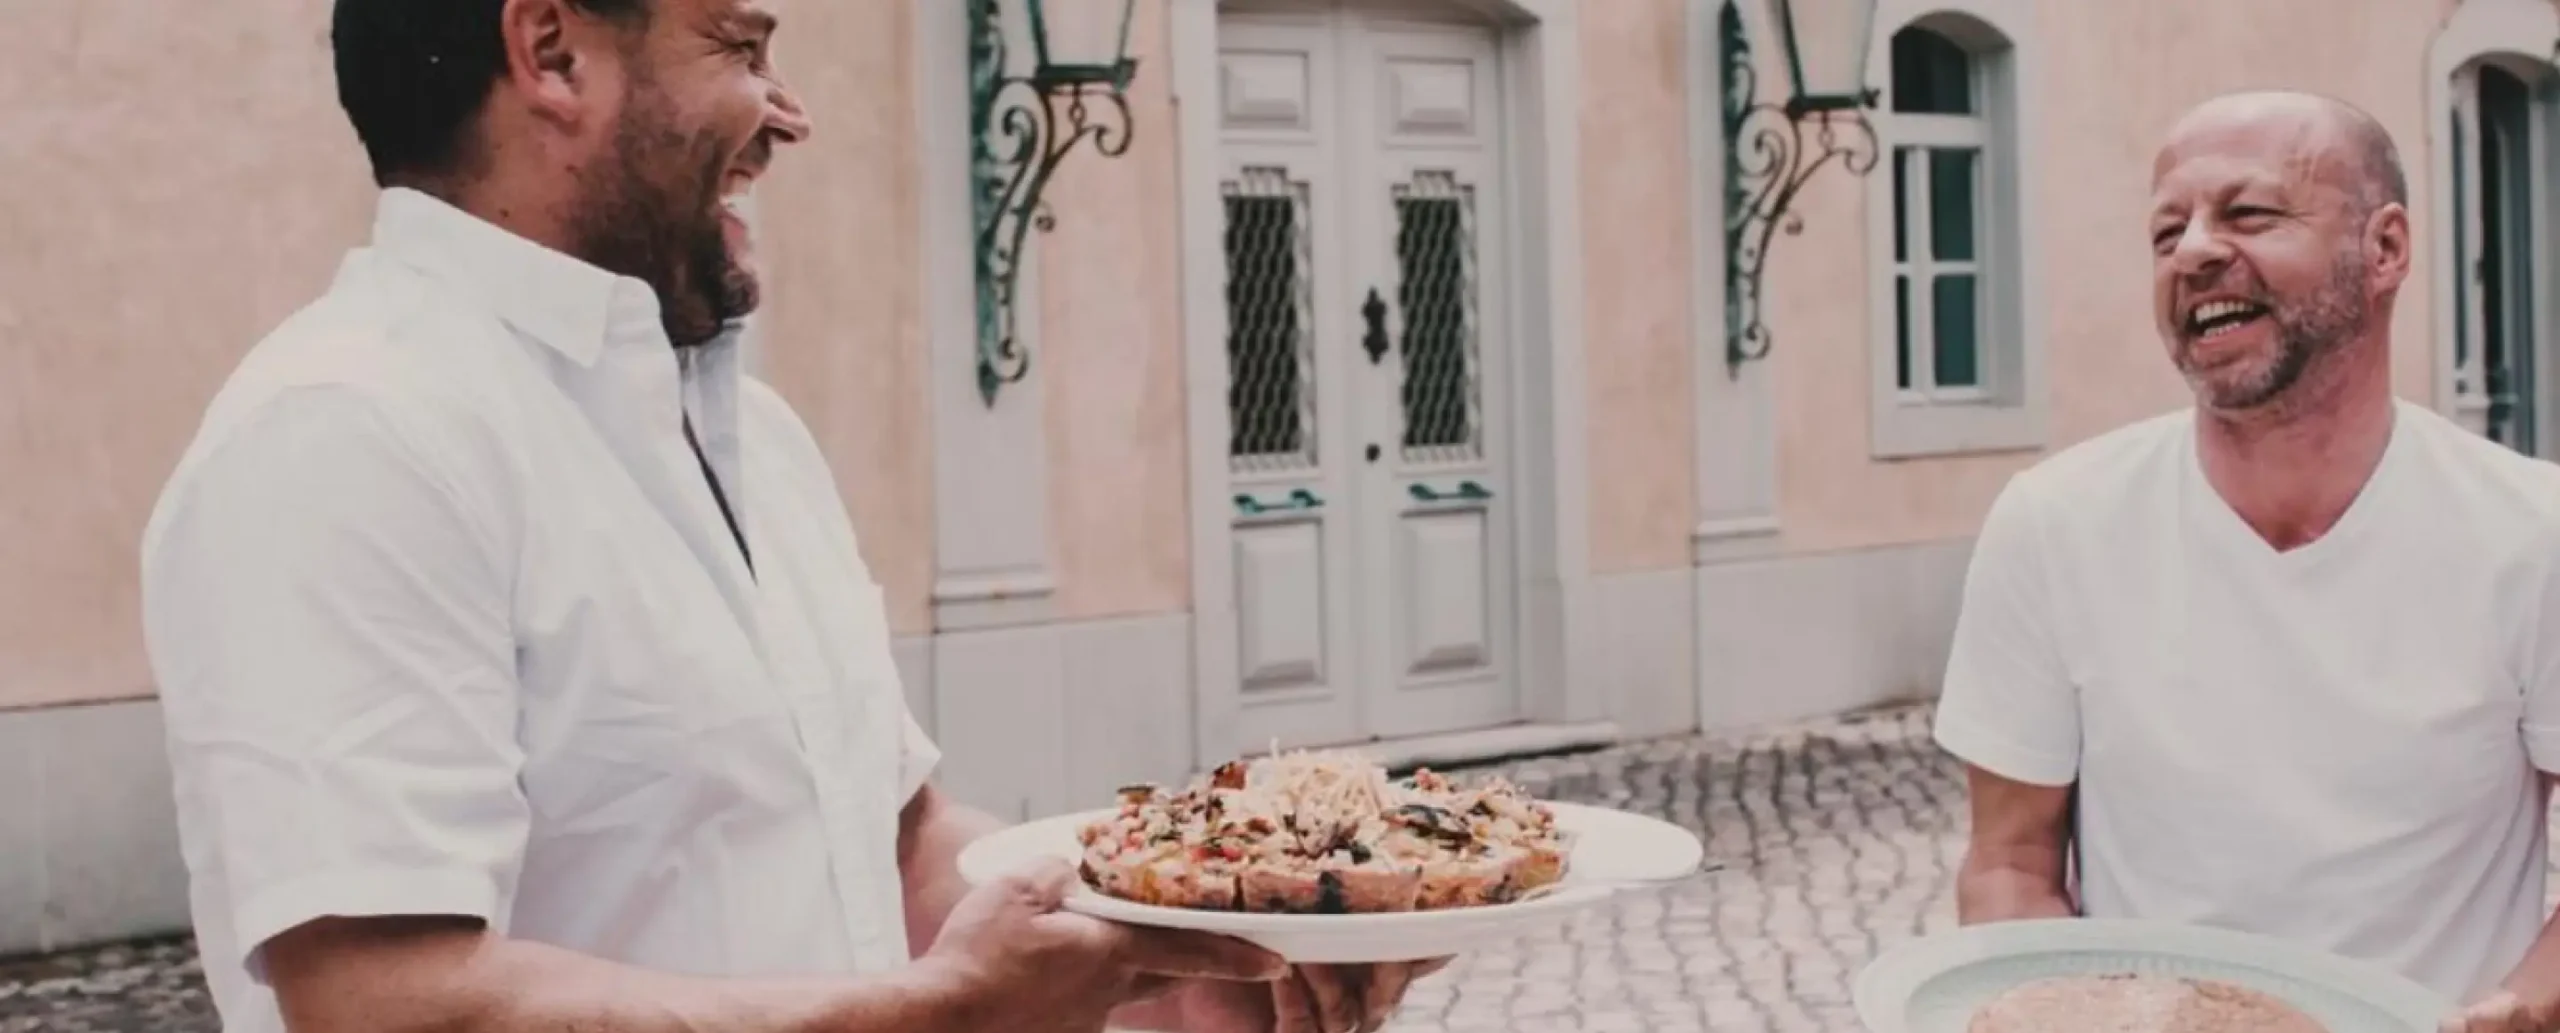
<point>1491,745</point>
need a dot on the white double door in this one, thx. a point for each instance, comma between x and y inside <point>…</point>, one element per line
<point>1371,508</point>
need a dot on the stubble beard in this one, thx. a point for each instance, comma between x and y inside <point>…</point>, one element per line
<point>2308,330</point>
<point>663,229</point>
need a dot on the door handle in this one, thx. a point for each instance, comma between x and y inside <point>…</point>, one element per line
<point>1467,490</point>
<point>1375,341</point>
<point>1298,499</point>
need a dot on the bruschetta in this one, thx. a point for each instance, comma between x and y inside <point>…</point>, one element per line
<point>1324,833</point>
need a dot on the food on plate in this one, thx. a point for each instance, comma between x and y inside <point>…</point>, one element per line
<point>2134,1003</point>
<point>1324,832</point>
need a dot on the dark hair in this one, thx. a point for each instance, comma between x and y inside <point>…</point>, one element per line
<point>413,74</point>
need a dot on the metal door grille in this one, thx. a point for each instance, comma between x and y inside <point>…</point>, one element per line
<point>1271,394</point>
<point>1436,295</point>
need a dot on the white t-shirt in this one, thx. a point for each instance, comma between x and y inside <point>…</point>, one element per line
<point>446,620</point>
<point>2335,744</point>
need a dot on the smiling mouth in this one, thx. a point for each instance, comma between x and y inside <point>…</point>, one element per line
<point>2216,318</point>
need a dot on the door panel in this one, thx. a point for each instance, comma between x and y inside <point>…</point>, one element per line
<point>1293,534</point>
<point>1440,535</point>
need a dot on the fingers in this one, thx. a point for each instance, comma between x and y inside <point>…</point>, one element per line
<point>1292,1011</point>
<point>1183,953</point>
<point>1335,990</point>
<point>2504,1013</point>
<point>1149,988</point>
<point>1385,990</point>
<point>1042,885</point>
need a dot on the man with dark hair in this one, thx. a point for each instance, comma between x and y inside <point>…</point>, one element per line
<point>2282,661</point>
<point>520,667</point>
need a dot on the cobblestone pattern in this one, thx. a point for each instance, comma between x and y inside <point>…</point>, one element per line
<point>1836,839</point>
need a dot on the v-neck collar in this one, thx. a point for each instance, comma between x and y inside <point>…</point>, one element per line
<point>2227,521</point>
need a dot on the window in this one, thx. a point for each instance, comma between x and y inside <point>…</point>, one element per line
<point>1937,217</point>
<point>1955,357</point>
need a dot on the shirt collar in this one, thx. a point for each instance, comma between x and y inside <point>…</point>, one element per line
<point>575,307</point>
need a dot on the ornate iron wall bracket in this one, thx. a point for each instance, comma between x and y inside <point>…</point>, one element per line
<point>1768,158</point>
<point>1020,128</point>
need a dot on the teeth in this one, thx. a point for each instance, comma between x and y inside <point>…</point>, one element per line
<point>2211,311</point>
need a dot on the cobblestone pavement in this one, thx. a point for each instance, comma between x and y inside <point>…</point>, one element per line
<point>1836,839</point>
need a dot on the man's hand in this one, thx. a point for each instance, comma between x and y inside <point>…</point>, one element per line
<point>2503,1012</point>
<point>1313,999</point>
<point>1011,960</point>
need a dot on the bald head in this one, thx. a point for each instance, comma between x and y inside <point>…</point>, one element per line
<point>2338,141</point>
<point>2279,235</point>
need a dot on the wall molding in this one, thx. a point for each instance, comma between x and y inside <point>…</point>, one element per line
<point>991,550</point>
<point>1804,635</point>
<point>1734,455</point>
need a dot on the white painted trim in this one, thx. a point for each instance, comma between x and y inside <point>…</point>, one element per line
<point>1734,427</point>
<point>991,496</point>
<point>1795,637</point>
<point>2512,30</point>
<point>1456,748</point>
<point>1542,167</point>
<point>2014,414</point>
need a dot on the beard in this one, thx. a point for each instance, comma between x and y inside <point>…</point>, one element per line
<point>2308,328</point>
<point>651,211</point>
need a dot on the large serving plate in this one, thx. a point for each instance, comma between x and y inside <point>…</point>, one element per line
<point>1613,851</point>
<point>1936,983</point>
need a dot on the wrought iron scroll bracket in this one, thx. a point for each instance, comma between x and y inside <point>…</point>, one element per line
<point>1020,128</point>
<point>1768,159</point>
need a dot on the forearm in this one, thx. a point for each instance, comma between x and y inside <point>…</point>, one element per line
<point>934,830</point>
<point>2536,979</point>
<point>2017,863</point>
<point>388,976</point>
<point>1995,890</point>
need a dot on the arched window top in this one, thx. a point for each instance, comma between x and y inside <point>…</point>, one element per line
<point>1936,62</point>
<point>1932,75</point>
<point>2520,35</point>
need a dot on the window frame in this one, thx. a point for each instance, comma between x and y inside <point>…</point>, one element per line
<point>2007,411</point>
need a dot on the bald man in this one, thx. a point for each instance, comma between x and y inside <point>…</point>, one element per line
<point>2284,660</point>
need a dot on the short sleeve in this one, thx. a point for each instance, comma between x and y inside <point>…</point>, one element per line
<point>2007,704</point>
<point>329,625</point>
<point>2542,672</point>
<point>917,760</point>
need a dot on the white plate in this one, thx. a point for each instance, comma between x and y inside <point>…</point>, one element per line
<point>1613,851</point>
<point>1934,984</point>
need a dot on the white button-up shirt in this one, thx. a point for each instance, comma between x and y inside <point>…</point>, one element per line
<point>447,620</point>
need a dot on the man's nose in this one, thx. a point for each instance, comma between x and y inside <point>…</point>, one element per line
<point>2199,250</point>
<point>785,117</point>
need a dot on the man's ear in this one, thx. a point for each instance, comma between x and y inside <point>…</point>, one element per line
<point>552,58</point>
<point>2387,245</point>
